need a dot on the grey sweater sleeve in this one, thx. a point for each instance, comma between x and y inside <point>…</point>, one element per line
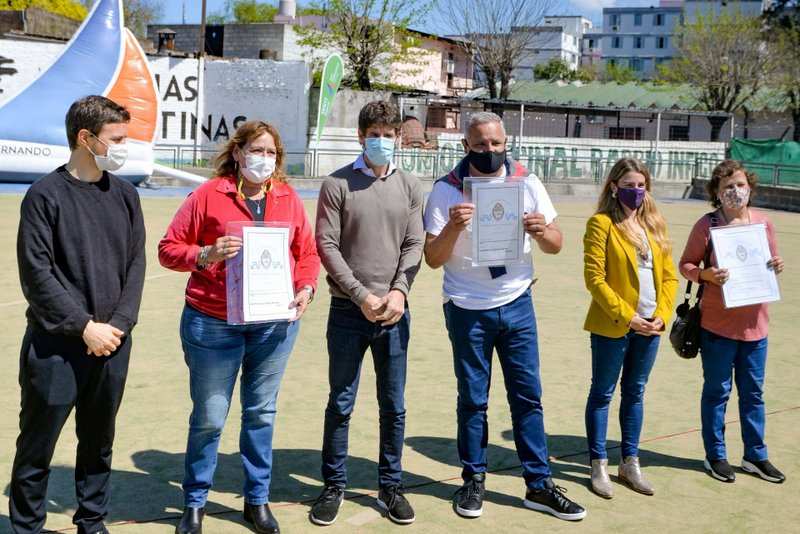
<point>411,249</point>
<point>328,235</point>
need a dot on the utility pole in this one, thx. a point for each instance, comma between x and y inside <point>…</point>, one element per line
<point>201,52</point>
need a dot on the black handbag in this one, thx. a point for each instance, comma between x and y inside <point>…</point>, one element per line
<point>685,333</point>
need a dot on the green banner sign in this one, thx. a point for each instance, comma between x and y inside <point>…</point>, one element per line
<point>331,79</point>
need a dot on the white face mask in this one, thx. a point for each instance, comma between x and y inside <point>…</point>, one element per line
<point>258,168</point>
<point>116,156</point>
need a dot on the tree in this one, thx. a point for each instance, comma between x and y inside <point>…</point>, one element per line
<point>558,69</point>
<point>619,73</point>
<point>725,59</point>
<point>783,33</point>
<point>69,8</point>
<point>369,33</point>
<point>250,11</point>
<point>497,34</point>
<point>555,69</point>
<point>138,14</point>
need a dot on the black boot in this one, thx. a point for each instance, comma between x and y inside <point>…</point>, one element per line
<point>261,518</point>
<point>191,521</point>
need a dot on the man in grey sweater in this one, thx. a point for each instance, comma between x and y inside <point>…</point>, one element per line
<point>370,238</point>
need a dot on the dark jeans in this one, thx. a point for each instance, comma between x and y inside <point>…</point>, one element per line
<point>349,336</point>
<point>632,355</point>
<point>722,357</point>
<point>475,334</point>
<point>56,375</point>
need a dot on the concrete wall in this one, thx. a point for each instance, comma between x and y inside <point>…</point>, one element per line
<point>553,159</point>
<point>346,107</point>
<point>233,91</point>
<point>39,22</point>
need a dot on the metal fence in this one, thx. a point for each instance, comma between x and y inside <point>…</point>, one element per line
<point>431,164</point>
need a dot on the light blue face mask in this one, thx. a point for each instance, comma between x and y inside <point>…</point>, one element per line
<point>379,150</point>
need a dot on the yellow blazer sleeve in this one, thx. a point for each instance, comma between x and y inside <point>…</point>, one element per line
<point>669,287</point>
<point>595,243</point>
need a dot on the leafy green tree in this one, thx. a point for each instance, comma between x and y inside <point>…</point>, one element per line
<point>251,11</point>
<point>725,59</point>
<point>619,73</point>
<point>555,69</point>
<point>69,8</point>
<point>370,34</point>
<point>783,35</point>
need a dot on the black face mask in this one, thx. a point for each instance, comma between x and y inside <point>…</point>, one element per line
<point>487,162</point>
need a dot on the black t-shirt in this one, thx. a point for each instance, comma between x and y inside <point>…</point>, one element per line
<point>257,208</point>
<point>80,252</point>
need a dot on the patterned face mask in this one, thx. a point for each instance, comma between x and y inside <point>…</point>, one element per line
<point>735,198</point>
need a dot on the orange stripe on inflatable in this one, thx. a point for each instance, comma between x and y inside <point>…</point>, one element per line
<point>136,91</point>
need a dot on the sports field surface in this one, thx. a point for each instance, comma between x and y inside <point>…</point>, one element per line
<point>152,424</point>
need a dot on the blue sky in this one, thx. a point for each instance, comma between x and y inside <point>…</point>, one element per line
<point>591,9</point>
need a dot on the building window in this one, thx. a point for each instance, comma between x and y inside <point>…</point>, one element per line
<point>637,19</point>
<point>591,43</point>
<point>658,19</point>
<point>661,42</point>
<point>625,133</point>
<point>638,42</point>
<point>637,64</point>
<point>678,133</point>
<point>614,19</point>
<point>616,42</point>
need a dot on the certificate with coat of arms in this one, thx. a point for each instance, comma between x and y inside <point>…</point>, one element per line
<point>744,251</point>
<point>498,235</point>
<point>259,278</point>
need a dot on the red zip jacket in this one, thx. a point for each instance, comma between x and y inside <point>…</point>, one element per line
<point>201,219</point>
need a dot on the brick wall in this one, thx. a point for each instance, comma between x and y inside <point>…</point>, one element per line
<point>187,37</point>
<point>11,20</point>
<point>247,40</point>
<point>47,24</point>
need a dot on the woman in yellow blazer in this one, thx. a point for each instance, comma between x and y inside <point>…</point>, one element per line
<point>630,274</point>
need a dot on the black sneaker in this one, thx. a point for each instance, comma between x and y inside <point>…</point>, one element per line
<point>326,507</point>
<point>552,500</point>
<point>392,501</point>
<point>469,499</point>
<point>763,469</point>
<point>720,469</point>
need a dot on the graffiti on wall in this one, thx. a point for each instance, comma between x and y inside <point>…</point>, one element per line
<point>563,162</point>
<point>6,71</point>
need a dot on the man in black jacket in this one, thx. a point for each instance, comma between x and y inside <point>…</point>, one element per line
<point>80,250</point>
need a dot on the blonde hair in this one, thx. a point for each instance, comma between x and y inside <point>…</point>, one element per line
<point>226,165</point>
<point>647,215</point>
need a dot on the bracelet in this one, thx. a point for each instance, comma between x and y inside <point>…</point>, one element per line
<point>310,292</point>
<point>202,257</point>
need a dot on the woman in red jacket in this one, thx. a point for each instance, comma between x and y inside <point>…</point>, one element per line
<point>250,186</point>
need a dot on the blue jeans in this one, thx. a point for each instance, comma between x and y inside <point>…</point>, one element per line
<point>634,356</point>
<point>721,357</point>
<point>474,335</point>
<point>349,336</point>
<point>214,352</point>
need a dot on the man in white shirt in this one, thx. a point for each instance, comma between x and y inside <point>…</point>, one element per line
<point>488,308</point>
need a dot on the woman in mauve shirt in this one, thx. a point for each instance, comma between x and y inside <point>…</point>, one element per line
<point>733,341</point>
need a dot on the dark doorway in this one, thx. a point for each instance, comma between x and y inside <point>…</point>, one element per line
<point>215,36</point>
